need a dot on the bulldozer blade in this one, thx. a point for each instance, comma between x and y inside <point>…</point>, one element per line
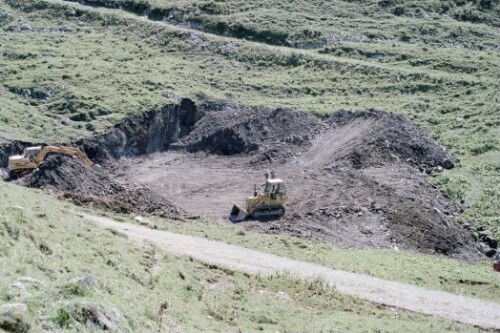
<point>4,175</point>
<point>237,214</point>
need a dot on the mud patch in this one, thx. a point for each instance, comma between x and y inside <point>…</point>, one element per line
<point>89,187</point>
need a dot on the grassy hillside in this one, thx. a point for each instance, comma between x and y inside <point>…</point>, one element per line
<point>68,71</point>
<point>313,24</point>
<point>71,70</point>
<point>64,274</point>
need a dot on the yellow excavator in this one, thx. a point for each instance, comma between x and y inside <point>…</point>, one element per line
<point>33,157</point>
<point>266,205</point>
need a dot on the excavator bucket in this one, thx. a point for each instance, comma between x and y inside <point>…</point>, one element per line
<point>237,214</point>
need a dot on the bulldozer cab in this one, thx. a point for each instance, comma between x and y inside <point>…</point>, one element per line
<point>275,187</point>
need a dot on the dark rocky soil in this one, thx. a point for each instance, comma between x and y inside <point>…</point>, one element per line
<point>146,133</point>
<point>391,139</point>
<point>372,209</point>
<point>273,133</point>
<point>96,188</point>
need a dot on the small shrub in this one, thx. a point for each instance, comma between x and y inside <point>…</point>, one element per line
<point>483,148</point>
<point>44,248</point>
<point>62,318</point>
<point>73,289</point>
<point>453,187</point>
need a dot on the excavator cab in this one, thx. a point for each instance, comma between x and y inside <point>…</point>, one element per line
<point>31,152</point>
<point>24,163</point>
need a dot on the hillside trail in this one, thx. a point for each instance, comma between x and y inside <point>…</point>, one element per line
<point>430,302</point>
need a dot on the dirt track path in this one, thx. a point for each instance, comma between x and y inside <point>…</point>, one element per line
<point>458,308</point>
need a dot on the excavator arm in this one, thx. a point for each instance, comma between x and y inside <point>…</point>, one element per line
<point>76,152</point>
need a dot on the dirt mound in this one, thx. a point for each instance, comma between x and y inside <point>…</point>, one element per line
<point>234,132</point>
<point>376,207</point>
<point>68,174</point>
<point>86,186</point>
<point>388,138</point>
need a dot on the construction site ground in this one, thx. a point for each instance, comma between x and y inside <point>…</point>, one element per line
<point>355,180</point>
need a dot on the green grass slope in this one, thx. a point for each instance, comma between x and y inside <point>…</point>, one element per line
<point>69,70</point>
<point>65,270</point>
<point>310,24</point>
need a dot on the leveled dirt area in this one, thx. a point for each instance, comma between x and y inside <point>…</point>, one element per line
<point>354,180</point>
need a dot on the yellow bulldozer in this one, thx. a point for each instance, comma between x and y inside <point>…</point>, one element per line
<point>33,157</point>
<point>266,205</point>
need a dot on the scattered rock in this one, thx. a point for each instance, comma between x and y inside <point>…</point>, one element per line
<point>490,253</point>
<point>30,280</point>
<point>483,247</point>
<point>14,318</point>
<point>493,243</point>
<point>85,281</point>
<point>487,237</point>
<point>484,234</point>
<point>25,27</point>
<point>93,315</point>
<point>282,295</point>
<point>467,226</point>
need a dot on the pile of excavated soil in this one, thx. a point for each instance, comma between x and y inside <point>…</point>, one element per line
<point>360,184</point>
<point>91,187</point>
<point>273,135</point>
<point>387,138</point>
